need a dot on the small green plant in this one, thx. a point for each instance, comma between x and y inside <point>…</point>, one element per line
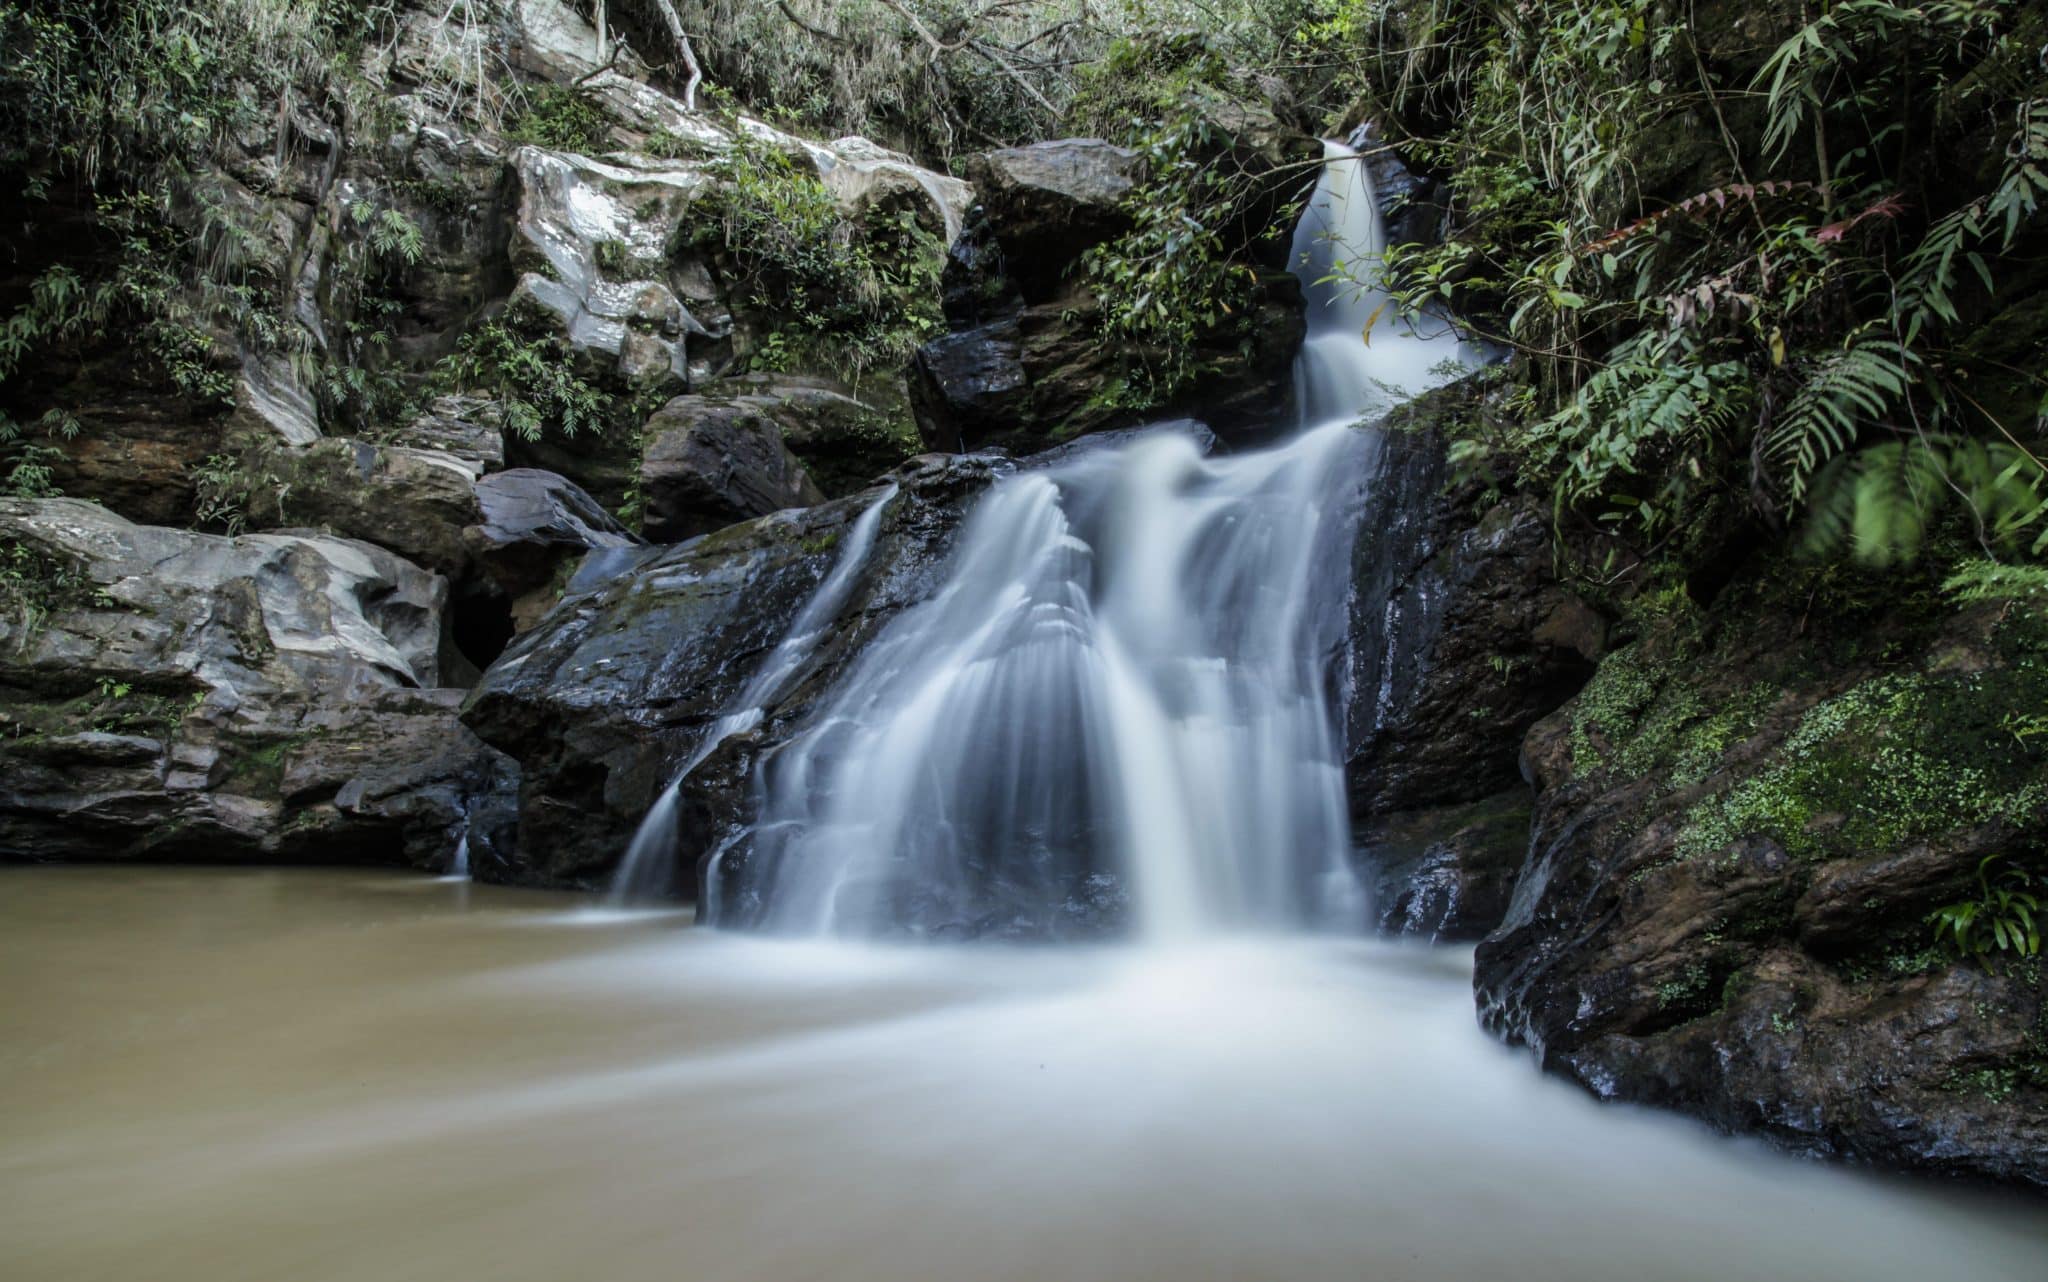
<point>853,294</point>
<point>35,582</point>
<point>531,377</point>
<point>2002,919</point>
<point>27,465</point>
<point>251,484</point>
<point>563,118</point>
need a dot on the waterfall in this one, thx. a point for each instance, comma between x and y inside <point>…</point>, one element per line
<point>1118,707</point>
<point>649,866</point>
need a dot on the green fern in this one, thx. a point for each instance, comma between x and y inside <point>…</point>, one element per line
<point>1983,579</point>
<point>1877,502</point>
<point>1849,390</point>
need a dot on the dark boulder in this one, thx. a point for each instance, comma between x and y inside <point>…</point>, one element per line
<point>603,699</point>
<point>1738,843</point>
<point>1446,872</point>
<point>532,527</point>
<point>1051,201</point>
<point>1414,207</point>
<point>711,461</point>
<point>1034,377</point>
<point>1462,638</point>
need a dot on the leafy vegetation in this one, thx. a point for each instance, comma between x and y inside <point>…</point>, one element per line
<point>1758,279</point>
<point>1180,280</point>
<point>2001,919</point>
<point>850,293</point>
<point>112,116</point>
<point>534,379</point>
<point>561,117</point>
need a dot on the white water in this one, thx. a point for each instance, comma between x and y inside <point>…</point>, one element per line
<point>1119,703</point>
<point>649,866</point>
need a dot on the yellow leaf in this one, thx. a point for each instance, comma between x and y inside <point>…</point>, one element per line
<point>1371,321</point>
<point>1777,346</point>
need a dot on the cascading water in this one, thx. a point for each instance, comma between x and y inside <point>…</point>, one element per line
<point>1118,705</point>
<point>649,866</point>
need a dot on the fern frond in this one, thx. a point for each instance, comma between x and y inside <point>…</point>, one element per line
<point>1855,387</point>
<point>1877,502</point>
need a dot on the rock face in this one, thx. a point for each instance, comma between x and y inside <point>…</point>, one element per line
<point>531,526</point>
<point>180,696</point>
<point>1446,872</point>
<point>1462,639</point>
<point>1025,366</point>
<point>411,501</point>
<point>1412,205</point>
<point>1048,202</point>
<point>1737,847</point>
<point>709,463</point>
<point>602,700</point>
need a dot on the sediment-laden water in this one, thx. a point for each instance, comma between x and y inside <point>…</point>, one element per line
<point>219,1076</point>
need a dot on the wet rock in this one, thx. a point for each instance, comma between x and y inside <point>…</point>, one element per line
<point>602,700</point>
<point>532,527</point>
<point>1736,848</point>
<point>845,435</point>
<point>179,696</point>
<point>1413,206</point>
<point>1038,376</point>
<point>712,461</point>
<point>1446,872</point>
<point>1464,637</point>
<point>977,381</point>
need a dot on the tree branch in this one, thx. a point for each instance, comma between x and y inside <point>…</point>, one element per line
<point>682,39</point>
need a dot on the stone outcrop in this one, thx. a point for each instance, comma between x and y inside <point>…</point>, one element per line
<point>602,700</point>
<point>269,698</point>
<point>709,463</point>
<point>532,527</point>
<point>1462,638</point>
<point>1738,843</point>
<point>1024,364</point>
<point>1446,872</point>
<point>413,502</point>
<point>1048,202</point>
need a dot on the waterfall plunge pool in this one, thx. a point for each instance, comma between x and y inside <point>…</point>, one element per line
<point>222,1075</point>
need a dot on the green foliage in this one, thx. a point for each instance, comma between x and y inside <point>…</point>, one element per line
<point>89,88</point>
<point>36,582</point>
<point>2002,918</point>
<point>28,461</point>
<point>852,294</point>
<point>612,259</point>
<point>123,107</point>
<point>1172,282</point>
<point>1880,500</point>
<point>251,484</point>
<point>1986,580</point>
<point>942,77</point>
<point>561,117</point>
<point>1792,332</point>
<point>1897,758</point>
<point>533,378</point>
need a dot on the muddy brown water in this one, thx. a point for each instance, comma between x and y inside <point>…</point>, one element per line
<point>315,1076</point>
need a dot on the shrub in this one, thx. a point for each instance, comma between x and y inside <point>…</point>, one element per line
<point>851,294</point>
